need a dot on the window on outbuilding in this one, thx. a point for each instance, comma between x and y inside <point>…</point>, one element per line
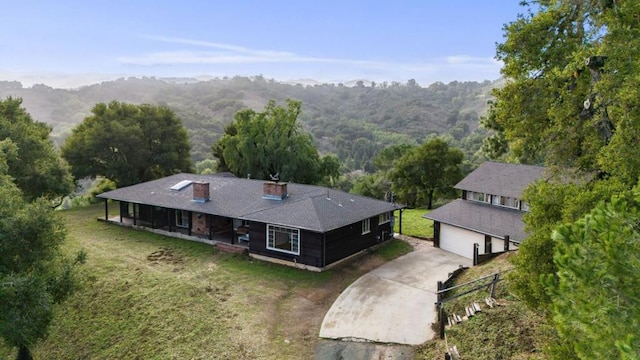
<point>476,196</point>
<point>283,239</point>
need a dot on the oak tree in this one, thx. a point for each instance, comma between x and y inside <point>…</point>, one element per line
<point>569,102</point>
<point>425,172</point>
<point>34,275</point>
<point>128,144</point>
<point>35,165</point>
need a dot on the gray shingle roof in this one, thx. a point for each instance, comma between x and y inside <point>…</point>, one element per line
<point>501,179</point>
<point>480,217</point>
<point>308,207</point>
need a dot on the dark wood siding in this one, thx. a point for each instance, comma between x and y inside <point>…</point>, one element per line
<point>310,246</point>
<point>145,212</point>
<point>348,240</point>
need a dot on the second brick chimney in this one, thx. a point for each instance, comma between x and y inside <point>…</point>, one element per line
<point>201,191</point>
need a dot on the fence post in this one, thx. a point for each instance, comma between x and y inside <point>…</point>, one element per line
<point>439,308</point>
<point>442,316</point>
<point>496,278</point>
<point>475,254</point>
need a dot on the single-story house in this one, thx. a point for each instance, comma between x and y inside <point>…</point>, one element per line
<point>302,225</point>
<point>489,213</point>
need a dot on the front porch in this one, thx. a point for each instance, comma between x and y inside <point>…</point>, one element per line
<point>214,240</point>
<point>187,225</point>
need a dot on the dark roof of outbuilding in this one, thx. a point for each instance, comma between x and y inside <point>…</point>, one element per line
<point>481,217</point>
<point>501,178</point>
<point>307,207</point>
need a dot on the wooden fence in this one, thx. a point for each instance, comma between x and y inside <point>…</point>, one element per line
<point>487,282</point>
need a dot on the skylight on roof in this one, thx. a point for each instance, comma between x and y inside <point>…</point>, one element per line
<point>181,185</point>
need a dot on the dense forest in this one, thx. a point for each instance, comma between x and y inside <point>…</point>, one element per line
<point>352,122</point>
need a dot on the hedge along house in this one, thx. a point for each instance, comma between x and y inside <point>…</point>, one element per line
<point>489,213</point>
<point>303,225</point>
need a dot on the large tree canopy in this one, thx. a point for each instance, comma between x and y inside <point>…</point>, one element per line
<point>128,144</point>
<point>35,165</point>
<point>425,172</point>
<point>33,274</point>
<point>570,97</point>
<point>260,144</point>
<point>570,102</point>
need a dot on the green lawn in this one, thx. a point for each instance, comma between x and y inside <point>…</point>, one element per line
<point>413,224</point>
<point>146,296</point>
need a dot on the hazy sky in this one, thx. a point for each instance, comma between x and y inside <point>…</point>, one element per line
<point>68,42</point>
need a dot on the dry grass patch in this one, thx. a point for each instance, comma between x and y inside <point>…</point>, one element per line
<point>510,331</point>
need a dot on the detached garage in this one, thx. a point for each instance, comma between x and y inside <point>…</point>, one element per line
<point>460,224</point>
<point>489,213</point>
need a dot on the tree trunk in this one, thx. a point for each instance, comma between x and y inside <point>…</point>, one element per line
<point>24,353</point>
<point>430,199</point>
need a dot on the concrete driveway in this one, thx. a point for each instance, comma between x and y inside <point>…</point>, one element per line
<point>393,303</point>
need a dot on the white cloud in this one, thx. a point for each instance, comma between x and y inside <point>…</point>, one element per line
<point>465,59</point>
<point>227,54</point>
<point>435,69</point>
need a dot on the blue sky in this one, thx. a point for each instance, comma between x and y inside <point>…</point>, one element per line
<point>69,43</point>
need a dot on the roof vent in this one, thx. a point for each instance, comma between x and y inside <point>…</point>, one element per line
<point>274,190</point>
<point>201,192</point>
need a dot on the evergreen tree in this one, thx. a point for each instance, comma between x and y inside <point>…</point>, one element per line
<point>596,296</point>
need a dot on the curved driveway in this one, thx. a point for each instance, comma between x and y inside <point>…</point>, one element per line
<point>394,303</point>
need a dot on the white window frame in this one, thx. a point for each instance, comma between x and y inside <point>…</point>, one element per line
<point>294,239</point>
<point>505,201</point>
<point>183,216</point>
<point>366,226</point>
<point>471,195</point>
<point>384,218</point>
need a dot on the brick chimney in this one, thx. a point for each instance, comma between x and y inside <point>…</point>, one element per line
<point>201,192</point>
<point>274,190</point>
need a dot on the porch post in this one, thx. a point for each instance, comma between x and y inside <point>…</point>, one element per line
<point>135,214</point>
<point>210,221</point>
<point>106,209</point>
<point>400,223</point>
<point>506,243</point>
<point>169,212</point>
<point>190,222</point>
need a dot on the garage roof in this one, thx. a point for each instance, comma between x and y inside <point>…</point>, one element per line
<point>482,218</point>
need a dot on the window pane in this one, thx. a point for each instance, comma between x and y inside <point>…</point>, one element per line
<point>284,239</point>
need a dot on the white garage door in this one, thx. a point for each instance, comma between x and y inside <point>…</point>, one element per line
<point>497,245</point>
<point>459,241</point>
